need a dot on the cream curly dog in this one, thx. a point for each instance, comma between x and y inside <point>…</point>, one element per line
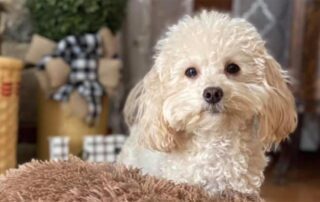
<point>209,108</point>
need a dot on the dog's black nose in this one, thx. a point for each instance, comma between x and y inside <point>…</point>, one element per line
<point>212,95</point>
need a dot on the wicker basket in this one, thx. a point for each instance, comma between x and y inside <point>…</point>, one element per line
<point>10,71</point>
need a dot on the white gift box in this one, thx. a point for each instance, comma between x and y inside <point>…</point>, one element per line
<point>101,148</point>
<point>58,147</point>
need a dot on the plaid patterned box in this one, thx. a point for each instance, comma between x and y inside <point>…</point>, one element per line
<point>58,147</point>
<point>102,148</point>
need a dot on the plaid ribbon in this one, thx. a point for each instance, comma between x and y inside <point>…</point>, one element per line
<point>82,54</point>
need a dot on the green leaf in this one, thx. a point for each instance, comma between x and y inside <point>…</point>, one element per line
<point>56,19</point>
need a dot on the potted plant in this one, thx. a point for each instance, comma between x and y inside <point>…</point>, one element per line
<point>54,20</point>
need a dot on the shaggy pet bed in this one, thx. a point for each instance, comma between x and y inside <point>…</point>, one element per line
<point>76,180</point>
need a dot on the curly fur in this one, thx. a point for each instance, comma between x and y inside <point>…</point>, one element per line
<point>175,134</point>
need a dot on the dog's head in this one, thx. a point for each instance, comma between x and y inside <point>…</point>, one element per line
<point>211,72</point>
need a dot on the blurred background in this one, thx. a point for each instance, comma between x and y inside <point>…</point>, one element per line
<point>32,125</point>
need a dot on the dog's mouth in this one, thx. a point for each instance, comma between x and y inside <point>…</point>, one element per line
<point>213,108</point>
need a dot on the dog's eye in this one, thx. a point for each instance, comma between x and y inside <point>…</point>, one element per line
<point>232,68</point>
<point>191,72</point>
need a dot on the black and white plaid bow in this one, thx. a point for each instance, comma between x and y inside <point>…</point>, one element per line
<point>82,54</point>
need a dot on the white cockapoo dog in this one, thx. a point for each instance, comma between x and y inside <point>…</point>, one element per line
<point>212,104</point>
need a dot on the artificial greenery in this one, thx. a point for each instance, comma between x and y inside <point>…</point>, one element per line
<point>56,19</point>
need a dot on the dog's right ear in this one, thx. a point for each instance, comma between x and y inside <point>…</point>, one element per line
<point>133,107</point>
<point>141,96</point>
<point>143,109</point>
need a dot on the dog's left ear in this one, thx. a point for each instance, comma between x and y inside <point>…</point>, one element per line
<point>278,117</point>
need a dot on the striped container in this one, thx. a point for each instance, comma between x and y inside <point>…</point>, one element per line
<point>10,75</point>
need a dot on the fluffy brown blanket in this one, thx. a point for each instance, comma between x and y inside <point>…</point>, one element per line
<point>76,180</point>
